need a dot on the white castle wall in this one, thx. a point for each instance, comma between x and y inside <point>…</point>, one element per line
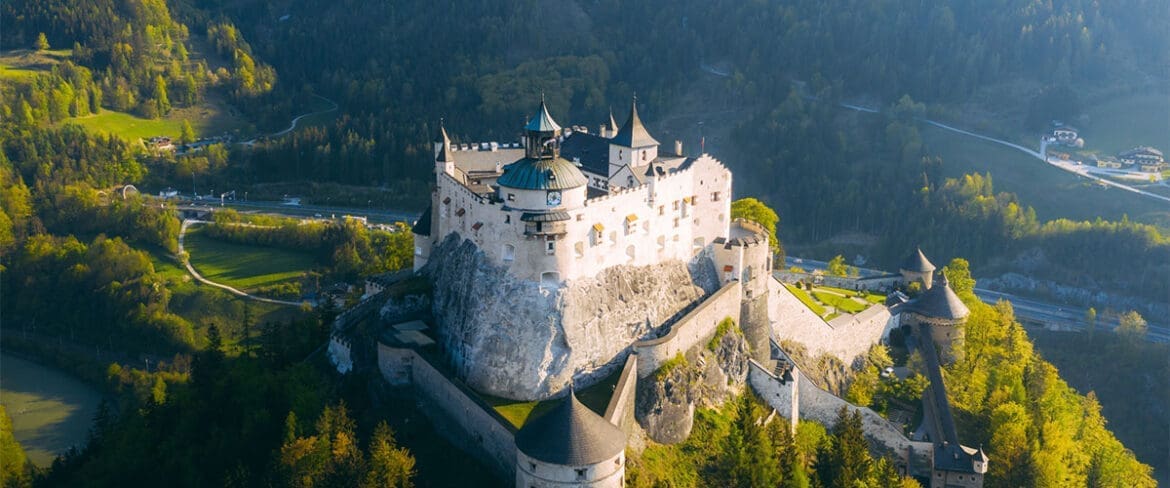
<point>452,409</point>
<point>695,328</point>
<point>847,336</point>
<point>674,215</point>
<point>533,473</point>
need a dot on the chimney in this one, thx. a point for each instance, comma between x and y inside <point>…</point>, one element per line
<point>499,167</point>
<point>601,130</point>
<point>678,147</point>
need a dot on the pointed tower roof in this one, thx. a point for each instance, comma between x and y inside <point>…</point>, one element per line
<point>941,302</point>
<point>634,134</point>
<point>444,155</point>
<point>441,137</point>
<point>917,262</point>
<point>649,170</point>
<point>570,435</point>
<point>612,123</point>
<point>542,121</point>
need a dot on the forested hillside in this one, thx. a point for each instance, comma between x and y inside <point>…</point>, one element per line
<point>776,70</point>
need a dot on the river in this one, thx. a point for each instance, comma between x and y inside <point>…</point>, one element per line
<point>50,410</point>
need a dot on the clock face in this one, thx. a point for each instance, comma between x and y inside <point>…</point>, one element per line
<point>554,198</point>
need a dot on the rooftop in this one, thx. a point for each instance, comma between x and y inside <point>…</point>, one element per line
<point>542,121</point>
<point>542,174</point>
<point>917,262</point>
<point>570,435</point>
<point>633,133</point>
<point>940,302</point>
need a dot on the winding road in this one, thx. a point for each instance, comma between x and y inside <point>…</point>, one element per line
<point>197,276</point>
<point>293,125</point>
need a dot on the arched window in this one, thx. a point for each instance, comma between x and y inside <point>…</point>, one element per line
<point>550,279</point>
<point>579,249</point>
<point>509,252</point>
<point>630,252</point>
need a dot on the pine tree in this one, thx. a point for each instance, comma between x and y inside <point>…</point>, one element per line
<point>42,43</point>
<point>161,102</point>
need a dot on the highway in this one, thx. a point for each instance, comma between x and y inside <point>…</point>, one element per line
<point>373,215</point>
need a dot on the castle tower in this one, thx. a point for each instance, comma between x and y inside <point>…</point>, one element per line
<point>632,145</point>
<point>570,446</point>
<point>944,314</point>
<point>444,160</point>
<point>917,268</point>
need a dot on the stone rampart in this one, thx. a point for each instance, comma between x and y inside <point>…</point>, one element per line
<point>692,329</point>
<point>847,337</point>
<point>821,406</point>
<point>620,411</point>
<point>456,411</point>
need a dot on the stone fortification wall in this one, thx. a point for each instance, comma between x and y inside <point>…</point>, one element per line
<point>455,411</point>
<point>511,338</point>
<point>695,328</point>
<point>881,283</point>
<point>814,403</point>
<point>847,337</point>
<point>620,411</point>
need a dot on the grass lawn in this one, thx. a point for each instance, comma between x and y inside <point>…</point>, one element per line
<point>806,299</point>
<point>841,303</point>
<point>1052,192</point>
<point>595,397</point>
<point>244,267</point>
<point>869,297</point>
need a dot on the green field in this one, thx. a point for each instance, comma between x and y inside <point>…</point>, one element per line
<point>50,410</point>
<point>24,64</point>
<point>244,267</point>
<point>1052,192</point>
<point>208,119</point>
<point>1122,123</point>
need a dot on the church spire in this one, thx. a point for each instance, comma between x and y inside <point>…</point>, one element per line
<point>443,145</point>
<point>613,127</point>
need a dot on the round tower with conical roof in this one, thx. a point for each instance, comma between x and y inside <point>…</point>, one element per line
<point>944,314</point>
<point>570,446</point>
<point>917,268</point>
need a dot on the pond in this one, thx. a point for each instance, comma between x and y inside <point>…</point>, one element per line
<point>50,410</point>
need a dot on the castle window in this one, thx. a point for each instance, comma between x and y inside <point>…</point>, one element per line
<point>598,234</point>
<point>674,205</point>
<point>550,248</point>
<point>507,218</point>
<point>580,217</point>
<point>581,473</point>
<point>579,248</point>
<point>644,155</point>
<point>661,243</point>
<point>511,197</point>
<point>676,222</point>
<point>662,210</point>
<point>631,253</point>
<point>509,252</point>
<point>532,467</point>
<point>715,197</point>
<point>612,237</point>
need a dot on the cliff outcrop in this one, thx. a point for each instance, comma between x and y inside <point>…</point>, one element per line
<point>516,339</point>
<point>706,377</point>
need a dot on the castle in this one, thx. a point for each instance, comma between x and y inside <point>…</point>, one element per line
<point>567,204</point>
<point>570,256</point>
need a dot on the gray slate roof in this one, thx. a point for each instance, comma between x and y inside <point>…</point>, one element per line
<point>940,302</point>
<point>590,149</point>
<point>422,226</point>
<point>542,121</point>
<point>570,435</point>
<point>545,217</point>
<point>917,263</point>
<point>634,134</point>
<point>542,174</point>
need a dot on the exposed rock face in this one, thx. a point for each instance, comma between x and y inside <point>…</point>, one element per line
<point>665,406</point>
<point>665,403</point>
<point>514,339</point>
<point>726,369</point>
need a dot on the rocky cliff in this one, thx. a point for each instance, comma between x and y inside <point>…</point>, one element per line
<point>706,377</point>
<point>514,339</point>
